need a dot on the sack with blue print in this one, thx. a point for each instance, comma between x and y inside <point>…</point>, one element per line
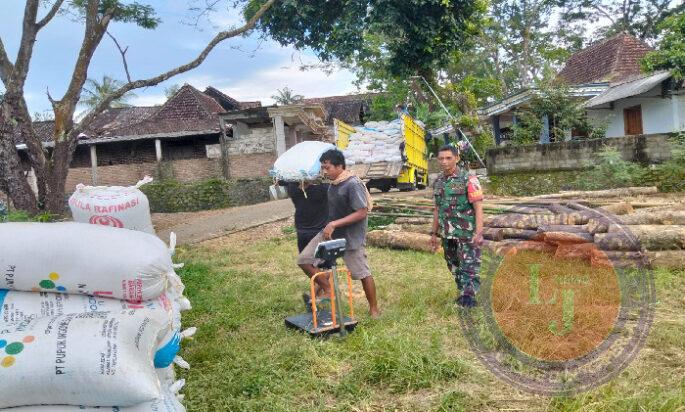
<point>17,307</point>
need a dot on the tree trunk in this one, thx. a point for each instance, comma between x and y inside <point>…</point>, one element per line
<point>59,168</point>
<point>655,237</point>
<point>11,171</point>
<point>674,259</point>
<point>399,240</point>
<point>665,217</point>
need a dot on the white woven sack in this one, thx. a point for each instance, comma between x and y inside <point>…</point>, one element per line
<point>86,259</point>
<point>91,359</point>
<point>170,402</point>
<point>117,206</point>
<point>17,307</point>
<point>300,162</point>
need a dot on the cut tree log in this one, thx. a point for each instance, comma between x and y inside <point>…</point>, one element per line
<point>493,234</point>
<point>616,241</point>
<point>672,259</point>
<point>664,217</point>
<point>618,259</point>
<point>621,192</point>
<point>523,234</point>
<point>564,228</point>
<point>622,208</point>
<point>565,238</point>
<point>534,245</point>
<point>655,237</point>
<point>399,214</point>
<point>533,222</point>
<point>399,240</point>
<point>575,251</point>
<point>414,220</point>
<point>498,248</point>
<point>600,225</point>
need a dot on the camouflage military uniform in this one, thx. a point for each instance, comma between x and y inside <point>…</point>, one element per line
<point>454,197</point>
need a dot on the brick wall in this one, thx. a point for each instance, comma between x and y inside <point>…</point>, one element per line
<point>251,165</point>
<point>574,155</point>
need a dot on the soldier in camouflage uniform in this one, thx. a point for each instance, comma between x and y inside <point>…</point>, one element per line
<point>458,220</point>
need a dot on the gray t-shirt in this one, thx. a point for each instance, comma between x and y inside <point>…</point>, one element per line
<point>345,199</point>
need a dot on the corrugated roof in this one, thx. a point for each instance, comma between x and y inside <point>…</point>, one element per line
<point>628,89</point>
<point>606,61</point>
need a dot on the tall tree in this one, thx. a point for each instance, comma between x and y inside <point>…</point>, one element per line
<point>409,37</point>
<point>670,54</point>
<point>286,96</point>
<point>640,18</point>
<point>51,166</point>
<point>95,92</point>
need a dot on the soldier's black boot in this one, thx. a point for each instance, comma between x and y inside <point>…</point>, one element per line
<point>466,301</point>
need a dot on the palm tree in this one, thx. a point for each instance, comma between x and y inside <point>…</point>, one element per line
<point>286,97</point>
<point>95,92</point>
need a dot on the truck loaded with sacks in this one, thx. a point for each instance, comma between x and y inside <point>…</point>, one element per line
<point>386,154</point>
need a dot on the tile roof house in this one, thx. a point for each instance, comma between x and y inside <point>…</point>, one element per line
<point>124,144</point>
<point>181,139</point>
<point>607,61</point>
<point>592,73</point>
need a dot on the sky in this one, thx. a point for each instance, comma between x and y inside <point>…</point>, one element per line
<point>245,68</point>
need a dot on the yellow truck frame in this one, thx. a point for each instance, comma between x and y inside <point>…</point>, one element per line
<point>410,174</point>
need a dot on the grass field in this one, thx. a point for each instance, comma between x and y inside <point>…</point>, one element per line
<point>414,358</point>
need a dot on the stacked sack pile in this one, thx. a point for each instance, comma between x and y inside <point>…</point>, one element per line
<point>90,318</point>
<point>375,142</point>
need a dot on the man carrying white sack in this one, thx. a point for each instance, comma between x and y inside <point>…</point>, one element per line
<point>349,203</point>
<point>310,199</point>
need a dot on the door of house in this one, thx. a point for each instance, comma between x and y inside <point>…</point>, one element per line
<point>632,120</point>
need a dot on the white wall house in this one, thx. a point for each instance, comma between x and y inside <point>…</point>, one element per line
<point>650,104</point>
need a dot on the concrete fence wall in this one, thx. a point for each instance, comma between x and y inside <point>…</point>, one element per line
<point>574,155</point>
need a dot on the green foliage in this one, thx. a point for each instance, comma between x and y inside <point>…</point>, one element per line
<point>481,143</point>
<point>95,92</point>
<point>564,112</point>
<point>639,18</point>
<point>171,196</point>
<point>670,175</point>
<point>377,222</point>
<point>23,216</point>
<point>610,172</point>
<point>414,358</point>
<point>671,52</point>
<point>286,96</point>
<point>170,91</point>
<point>142,15</point>
<point>403,37</point>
